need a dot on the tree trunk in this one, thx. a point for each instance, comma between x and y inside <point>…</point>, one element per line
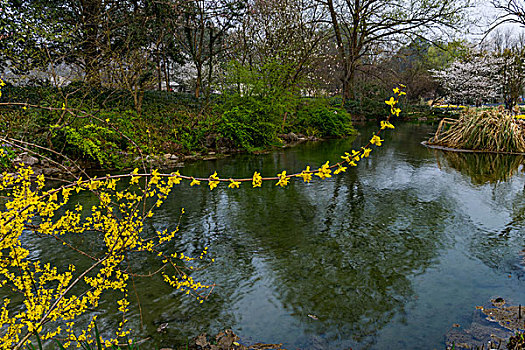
<point>167,73</point>
<point>91,10</point>
<point>159,71</point>
<point>198,83</point>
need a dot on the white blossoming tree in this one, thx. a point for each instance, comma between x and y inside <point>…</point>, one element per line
<point>475,79</point>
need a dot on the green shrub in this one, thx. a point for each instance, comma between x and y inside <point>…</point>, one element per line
<point>368,108</point>
<point>7,154</point>
<point>91,142</point>
<point>249,122</point>
<point>319,118</point>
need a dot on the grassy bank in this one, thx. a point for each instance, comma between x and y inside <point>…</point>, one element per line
<point>102,128</point>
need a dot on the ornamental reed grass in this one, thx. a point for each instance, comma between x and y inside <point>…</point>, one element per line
<point>488,130</point>
<point>47,301</point>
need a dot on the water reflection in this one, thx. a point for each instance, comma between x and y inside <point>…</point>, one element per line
<point>497,245</point>
<point>482,167</point>
<point>382,256</point>
<point>501,247</point>
<point>349,263</point>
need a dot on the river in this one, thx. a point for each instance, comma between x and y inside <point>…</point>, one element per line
<point>388,255</point>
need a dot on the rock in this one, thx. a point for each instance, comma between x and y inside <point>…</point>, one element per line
<point>174,157</point>
<point>162,328</point>
<point>498,302</point>
<point>225,144</point>
<point>506,317</point>
<point>290,137</point>
<point>490,327</point>
<point>202,341</point>
<point>50,171</point>
<point>167,156</point>
<point>27,159</point>
<point>227,340</point>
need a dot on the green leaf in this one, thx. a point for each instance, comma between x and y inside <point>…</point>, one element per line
<point>60,346</point>
<point>97,334</point>
<point>39,341</point>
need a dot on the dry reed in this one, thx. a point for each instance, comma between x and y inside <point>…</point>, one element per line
<point>487,130</point>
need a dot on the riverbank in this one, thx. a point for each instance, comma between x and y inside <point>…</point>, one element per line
<point>102,130</point>
<point>41,164</point>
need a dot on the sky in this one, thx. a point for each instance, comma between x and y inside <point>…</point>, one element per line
<point>486,14</point>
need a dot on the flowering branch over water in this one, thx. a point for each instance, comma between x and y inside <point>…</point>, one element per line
<point>53,298</point>
<point>283,178</point>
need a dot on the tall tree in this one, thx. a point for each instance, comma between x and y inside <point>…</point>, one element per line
<point>201,29</point>
<point>364,27</point>
<point>30,35</point>
<point>290,33</point>
<point>510,48</point>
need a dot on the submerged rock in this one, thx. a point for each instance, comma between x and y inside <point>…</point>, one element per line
<point>506,317</point>
<point>491,327</point>
<point>227,340</point>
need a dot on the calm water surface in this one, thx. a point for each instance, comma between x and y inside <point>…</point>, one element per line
<point>386,256</point>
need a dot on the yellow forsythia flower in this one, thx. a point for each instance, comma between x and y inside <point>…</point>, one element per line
<point>234,184</point>
<point>175,178</point>
<point>257,180</point>
<point>386,124</point>
<point>283,180</point>
<point>366,152</point>
<point>306,175</point>
<point>340,169</point>
<point>376,140</point>
<point>391,102</point>
<point>395,111</point>
<point>213,181</point>
<point>324,171</point>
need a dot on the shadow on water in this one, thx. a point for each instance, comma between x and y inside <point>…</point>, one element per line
<point>349,267</point>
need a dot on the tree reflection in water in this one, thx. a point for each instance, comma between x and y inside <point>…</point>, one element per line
<point>482,167</point>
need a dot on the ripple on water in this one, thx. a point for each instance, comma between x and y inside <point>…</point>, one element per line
<point>388,255</point>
